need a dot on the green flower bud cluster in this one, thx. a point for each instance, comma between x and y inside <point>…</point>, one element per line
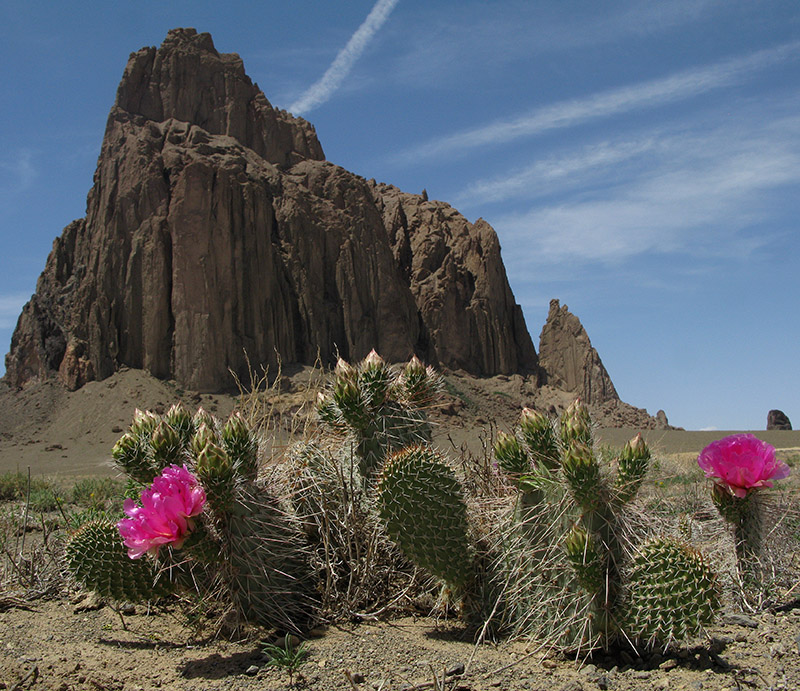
<point>381,408</point>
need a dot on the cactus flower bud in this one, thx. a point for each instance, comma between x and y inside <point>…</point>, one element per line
<point>343,369</point>
<point>510,455</point>
<point>144,422</point>
<point>241,446</point>
<point>167,445</point>
<point>180,420</point>
<point>347,396</point>
<point>130,456</point>
<point>205,435</point>
<point>203,417</point>
<point>539,435</point>
<point>576,424</point>
<point>582,473</point>
<point>373,359</point>
<point>633,464</point>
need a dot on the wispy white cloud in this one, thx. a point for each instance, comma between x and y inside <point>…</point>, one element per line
<point>553,173</point>
<point>676,87</point>
<point>701,195</point>
<point>17,170</point>
<point>10,308</point>
<point>324,88</point>
<point>445,47</point>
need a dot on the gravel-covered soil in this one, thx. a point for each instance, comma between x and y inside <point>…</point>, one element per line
<point>50,645</point>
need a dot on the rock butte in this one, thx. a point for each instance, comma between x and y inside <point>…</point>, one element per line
<point>216,232</point>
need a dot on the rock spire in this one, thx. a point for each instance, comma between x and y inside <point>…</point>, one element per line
<point>569,362</point>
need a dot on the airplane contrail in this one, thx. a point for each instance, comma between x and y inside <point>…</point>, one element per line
<point>321,90</point>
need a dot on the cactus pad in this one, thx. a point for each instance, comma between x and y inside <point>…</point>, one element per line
<point>421,503</point>
<point>98,560</point>
<point>672,593</point>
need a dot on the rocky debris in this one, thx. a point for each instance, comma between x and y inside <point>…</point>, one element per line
<point>777,419</point>
<point>616,413</point>
<point>216,235</point>
<point>568,361</point>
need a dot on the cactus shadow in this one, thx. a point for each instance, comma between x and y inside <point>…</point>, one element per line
<point>142,644</point>
<point>452,633</point>
<point>216,666</point>
<point>706,657</point>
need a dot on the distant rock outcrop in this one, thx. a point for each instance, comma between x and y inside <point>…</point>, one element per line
<point>216,228</point>
<point>777,419</point>
<point>568,361</point>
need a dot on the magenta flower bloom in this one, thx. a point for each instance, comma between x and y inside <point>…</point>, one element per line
<point>165,514</point>
<point>741,462</point>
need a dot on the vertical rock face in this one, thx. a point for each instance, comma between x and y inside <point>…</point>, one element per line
<point>216,228</point>
<point>568,361</point>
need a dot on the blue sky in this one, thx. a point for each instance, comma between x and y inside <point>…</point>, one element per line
<point>640,161</point>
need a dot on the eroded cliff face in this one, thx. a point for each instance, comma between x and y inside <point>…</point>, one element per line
<point>216,232</point>
<point>568,360</point>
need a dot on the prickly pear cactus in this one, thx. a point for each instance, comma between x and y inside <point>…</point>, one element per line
<point>380,408</point>
<point>672,594</point>
<point>422,505</point>
<point>97,559</point>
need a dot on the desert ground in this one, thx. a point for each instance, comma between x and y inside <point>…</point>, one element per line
<point>54,636</point>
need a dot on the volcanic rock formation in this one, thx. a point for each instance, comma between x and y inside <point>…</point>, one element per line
<point>569,362</point>
<point>777,419</point>
<point>215,232</point>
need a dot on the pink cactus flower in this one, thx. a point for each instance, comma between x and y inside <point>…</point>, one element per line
<point>165,514</point>
<point>740,463</point>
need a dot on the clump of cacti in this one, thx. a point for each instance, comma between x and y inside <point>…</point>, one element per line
<point>571,512</point>
<point>562,566</point>
<point>201,496</point>
<point>373,411</point>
